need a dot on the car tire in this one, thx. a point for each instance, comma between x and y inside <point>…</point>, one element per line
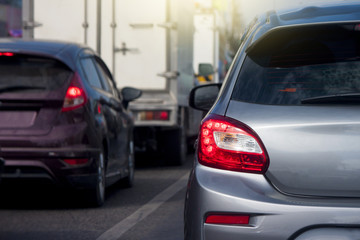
<point>96,196</point>
<point>128,181</point>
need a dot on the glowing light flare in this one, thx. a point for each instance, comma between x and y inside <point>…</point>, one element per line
<point>206,132</point>
<point>164,115</point>
<point>73,92</point>
<point>210,149</point>
<point>7,54</point>
<point>207,141</point>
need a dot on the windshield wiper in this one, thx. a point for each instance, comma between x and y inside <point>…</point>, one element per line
<point>19,88</point>
<point>334,99</point>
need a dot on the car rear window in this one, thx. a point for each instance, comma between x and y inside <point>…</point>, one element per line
<point>31,73</point>
<point>291,65</point>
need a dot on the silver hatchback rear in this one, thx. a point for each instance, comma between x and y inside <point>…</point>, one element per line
<point>278,155</point>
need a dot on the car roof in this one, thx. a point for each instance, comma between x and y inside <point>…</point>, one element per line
<point>63,51</point>
<point>324,12</point>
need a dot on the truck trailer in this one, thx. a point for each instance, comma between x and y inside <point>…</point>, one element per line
<point>147,45</point>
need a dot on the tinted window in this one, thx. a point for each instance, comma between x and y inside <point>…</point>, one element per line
<point>21,71</point>
<point>307,62</point>
<point>91,72</point>
<point>106,77</point>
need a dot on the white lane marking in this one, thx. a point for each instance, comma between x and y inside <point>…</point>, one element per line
<point>120,228</point>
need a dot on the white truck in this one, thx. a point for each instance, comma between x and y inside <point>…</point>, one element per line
<point>206,43</point>
<point>147,44</point>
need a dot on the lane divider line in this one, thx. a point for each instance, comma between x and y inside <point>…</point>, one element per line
<point>115,232</point>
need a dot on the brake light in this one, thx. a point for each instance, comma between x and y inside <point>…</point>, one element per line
<point>75,95</point>
<point>156,115</point>
<point>228,219</point>
<point>6,54</point>
<point>164,115</point>
<point>73,92</point>
<point>227,144</point>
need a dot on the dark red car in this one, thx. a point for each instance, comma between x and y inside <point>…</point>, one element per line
<point>62,119</point>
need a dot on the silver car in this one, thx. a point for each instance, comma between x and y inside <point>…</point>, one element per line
<point>278,154</point>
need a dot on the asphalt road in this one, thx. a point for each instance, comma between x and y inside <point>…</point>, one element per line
<point>151,210</point>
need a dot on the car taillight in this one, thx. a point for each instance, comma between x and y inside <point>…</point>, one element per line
<point>75,95</point>
<point>7,54</point>
<point>156,115</point>
<point>227,144</point>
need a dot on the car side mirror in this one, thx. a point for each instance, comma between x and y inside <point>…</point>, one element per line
<point>205,69</point>
<point>130,94</point>
<point>204,96</point>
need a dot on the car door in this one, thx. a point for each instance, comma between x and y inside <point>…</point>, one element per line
<point>116,118</point>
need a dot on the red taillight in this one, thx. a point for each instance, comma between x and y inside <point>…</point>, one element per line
<point>156,115</point>
<point>76,161</point>
<point>99,108</point>
<point>75,95</point>
<point>164,115</point>
<point>73,92</point>
<point>227,144</point>
<point>228,219</point>
<point>6,54</point>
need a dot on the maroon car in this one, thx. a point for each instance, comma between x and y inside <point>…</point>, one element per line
<point>62,119</point>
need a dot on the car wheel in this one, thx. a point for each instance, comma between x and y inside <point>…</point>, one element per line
<point>129,180</point>
<point>96,195</point>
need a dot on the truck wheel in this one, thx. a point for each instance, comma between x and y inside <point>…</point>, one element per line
<point>96,196</point>
<point>176,146</point>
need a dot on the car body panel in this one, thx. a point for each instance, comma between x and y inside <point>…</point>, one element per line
<point>313,150</point>
<point>220,191</point>
<point>310,188</point>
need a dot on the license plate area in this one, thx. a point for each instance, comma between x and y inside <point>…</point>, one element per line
<point>17,119</point>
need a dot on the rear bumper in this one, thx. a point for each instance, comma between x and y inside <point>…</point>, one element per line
<point>47,165</point>
<point>272,214</point>
<point>154,101</point>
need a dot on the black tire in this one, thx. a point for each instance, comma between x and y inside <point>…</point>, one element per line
<point>96,195</point>
<point>128,181</point>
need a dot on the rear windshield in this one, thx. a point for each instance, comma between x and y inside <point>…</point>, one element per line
<point>25,73</point>
<point>292,65</point>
